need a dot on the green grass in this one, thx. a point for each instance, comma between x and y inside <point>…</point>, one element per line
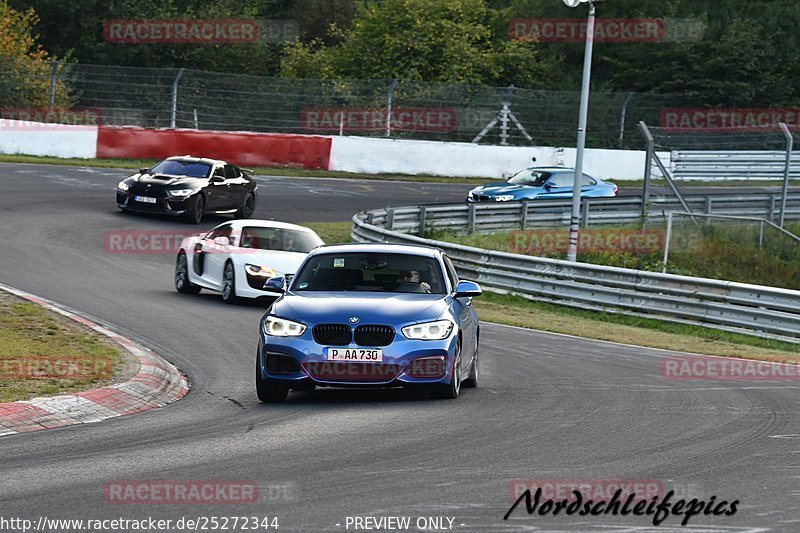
<point>274,171</point>
<point>44,354</point>
<point>331,232</point>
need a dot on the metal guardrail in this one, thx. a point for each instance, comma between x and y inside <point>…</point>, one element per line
<point>754,310</point>
<point>497,216</point>
<point>733,164</point>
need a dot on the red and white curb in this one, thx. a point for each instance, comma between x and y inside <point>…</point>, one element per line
<point>156,384</point>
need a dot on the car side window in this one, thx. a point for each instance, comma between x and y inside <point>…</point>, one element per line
<point>222,231</point>
<point>219,172</point>
<point>230,172</point>
<point>588,180</point>
<point>452,275</point>
<point>562,179</point>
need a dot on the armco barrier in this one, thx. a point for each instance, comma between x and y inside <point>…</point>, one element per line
<point>484,217</point>
<point>245,149</point>
<point>754,310</point>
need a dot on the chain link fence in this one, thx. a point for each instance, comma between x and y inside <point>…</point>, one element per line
<point>161,98</point>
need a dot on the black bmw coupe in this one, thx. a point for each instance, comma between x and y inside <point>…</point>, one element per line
<point>189,187</point>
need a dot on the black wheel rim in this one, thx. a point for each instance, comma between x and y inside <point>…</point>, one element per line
<point>199,205</point>
<point>227,282</point>
<point>248,207</point>
<point>180,272</point>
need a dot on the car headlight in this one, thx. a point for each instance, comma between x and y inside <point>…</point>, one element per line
<point>503,197</point>
<point>280,327</point>
<point>429,331</point>
<point>180,193</point>
<point>123,186</point>
<point>255,270</point>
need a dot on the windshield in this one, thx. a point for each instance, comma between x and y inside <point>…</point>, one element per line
<point>370,272</point>
<point>191,169</point>
<point>529,177</point>
<point>287,240</point>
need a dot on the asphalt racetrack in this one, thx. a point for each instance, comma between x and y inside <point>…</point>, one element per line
<point>549,407</point>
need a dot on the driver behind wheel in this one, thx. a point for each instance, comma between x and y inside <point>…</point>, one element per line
<point>412,276</point>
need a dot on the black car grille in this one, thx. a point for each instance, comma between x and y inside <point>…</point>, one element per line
<point>342,372</point>
<point>374,335</point>
<point>482,198</point>
<point>333,334</point>
<point>282,364</point>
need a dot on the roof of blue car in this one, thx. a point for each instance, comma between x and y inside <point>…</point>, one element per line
<point>410,249</point>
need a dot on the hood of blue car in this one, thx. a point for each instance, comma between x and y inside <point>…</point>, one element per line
<point>370,308</point>
<point>504,188</point>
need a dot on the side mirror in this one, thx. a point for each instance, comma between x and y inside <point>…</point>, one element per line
<point>467,289</point>
<point>275,285</point>
<point>143,170</point>
<point>548,185</point>
<point>222,241</point>
<point>217,179</point>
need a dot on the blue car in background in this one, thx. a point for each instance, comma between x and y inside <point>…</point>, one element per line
<point>370,315</point>
<point>541,183</point>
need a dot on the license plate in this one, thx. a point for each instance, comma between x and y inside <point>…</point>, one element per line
<point>145,199</point>
<point>354,354</point>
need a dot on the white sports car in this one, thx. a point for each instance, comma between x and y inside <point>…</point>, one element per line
<point>237,257</point>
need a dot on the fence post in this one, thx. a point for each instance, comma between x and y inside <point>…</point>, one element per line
<point>772,207</point>
<point>667,238</point>
<point>423,216</point>
<point>53,86</point>
<point>585,213</point>
<point>389,92</point>
<point>524,205</point>
<point>709,204</point>
<point>175,97</point>
<point>648,169</point>
<point>785,190</point>
<point>471,219</point>
<point>390,219</point>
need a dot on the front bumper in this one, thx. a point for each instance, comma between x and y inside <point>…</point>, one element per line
<point>164,205</point>
<point>299,363</point>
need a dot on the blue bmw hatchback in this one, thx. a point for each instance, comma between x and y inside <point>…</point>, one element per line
<point>370,315</point>
<point>543,183</point>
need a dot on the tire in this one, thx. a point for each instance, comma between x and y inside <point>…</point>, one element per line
<point>194,215</point>
<point>229,284</point>
<point>182,283</point>
<point>451,390</point>
<point>247,208</point>
<point>267,391</point>
<point>472,381</point>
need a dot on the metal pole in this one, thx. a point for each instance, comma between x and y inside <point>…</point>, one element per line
<point>572,250</point>
<point>648,167</point>
<point>175,97</point>
<point>667,238</point>
<point>785,190</point>
<point>622,118</point>
<point>389,92</point>
<point>761,233</point>
<point>53,86</point>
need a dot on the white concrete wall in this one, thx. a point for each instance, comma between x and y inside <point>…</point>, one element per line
<point>55,140</point>
<point>384,156</point>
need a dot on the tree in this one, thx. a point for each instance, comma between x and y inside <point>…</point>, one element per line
<point>26,66</point>
<point>429,40</point>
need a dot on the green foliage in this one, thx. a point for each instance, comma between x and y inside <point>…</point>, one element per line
<point>427,40</point>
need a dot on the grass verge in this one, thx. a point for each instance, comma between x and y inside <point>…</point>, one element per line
<point>45,354</point>
<point>273,171</point>
<point>653,333</point>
